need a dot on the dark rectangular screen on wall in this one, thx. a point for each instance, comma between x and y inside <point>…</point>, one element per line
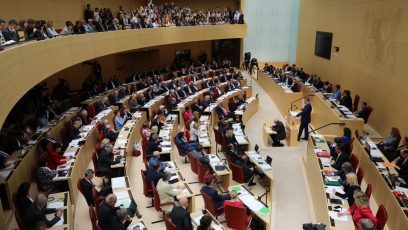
<point>323,44</point>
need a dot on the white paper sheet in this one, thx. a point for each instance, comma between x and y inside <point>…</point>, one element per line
<point>122,195</point>
<point>56,204</point>
<point>329,189</point>
<point>4,173</point>
<point>334,216</point>
<point>251,202</point>
<point>118,183</point>
<point>214,159</point>
<point>140,225</point>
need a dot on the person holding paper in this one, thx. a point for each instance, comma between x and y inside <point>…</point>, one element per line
<point>279,128</point>
<point>402,164</point>
<point>305,118</point>
<point>167,191</point>
<point>349,188</point>
<point>360,209</point>
<point>37,211</point>
<point>87,186</point>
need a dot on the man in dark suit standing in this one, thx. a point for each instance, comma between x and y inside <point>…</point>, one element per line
<point>37,211</point>
<point>87,186</point>
<point>305,118</point>
<point>105,161</point>
<point>180,216</point>
<point>88,14</point>
<point>211,192</point>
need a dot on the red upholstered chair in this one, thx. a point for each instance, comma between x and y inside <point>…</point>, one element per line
<point>236,217</point>
<point>91,110</point>
<point>351,144</point>
<point>97,199</point>
<point>360,175</point>
<point>209,204</point>
<point>169,224</point>
<point>368,191</point>
<point>156,200</point>
<point>147,188</point>
<point>18,214</point>
<point>237,173</point>
<point>231,69</point>
<point>370,110</point>
<point>94,161</point>
<point>354,161</point>
<point>201,171</point>
<point>382,217</point>
<point>210,73</point>
<point>63,135</point>
<point>92,216</point>
<point>218,138</point>
<point>356,101</point>
<point>193,163</point>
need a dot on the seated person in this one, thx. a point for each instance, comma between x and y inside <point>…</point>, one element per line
<point>234,200</point>
<point>4,160</point>
<point>184,145</point>
<point>125,113</point>
<point>133,105</point>
<point>248,168</point>
<point>201,156</point>
<point>233,106</point>
<point>45,176</point>
<point>349,187</point>
<point>195,132</point>
<point>159,121</point>
<point>340,157</point>
<point>336,94</point>
<point>180,215</point>
<point>102,105</point>
<point>107,212</point>
<point>230,137</point>
<point>232,153</point>
<point>122,220</point>
<point>87,185</point>
<point>119,121</point>
<point>23,198</point>
<point>37,211</point>
<point>402,164</point>
<point>346,100</point>
<point>146,132</point>
<point>187,114</point>
<point>154,173</point>
<point>110,133</point>
<point>390,141</point>
<point>346,168</point>
<point>155,159</point>
<point>205,223</point>
<point>74,131</point>
<point>54,157</point>
<point>363,112</point>
<point>167,192</point>
<point>221,111</point>
<point>393,156</point>
<point>106,160</point>
<point>115,97</point>
<point>84,117</point>
<point>153,145</point>
<point>211,192</point>
<point>279,128</point>
<point>172,104</point>
<point>206,102</point>
<point>345,140</point>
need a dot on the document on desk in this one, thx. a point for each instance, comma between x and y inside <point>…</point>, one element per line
<point>166,149</point>
<point>241,139</point>
<point>122,142</point>
<point>197,219</point>
<point>214,159</point>
<point>55,204</point>
<point>125,202</point>
<point>251,202</point>
<point>239,112</point>
<point>334,216</point>
<point>165,143</point>
<point>5,174</point>
<point>118,183</point>
<point>122,195</point>
<point>294,113</point>
<point>140,225</point>
<point>52,215</point>
<point>329,189</point>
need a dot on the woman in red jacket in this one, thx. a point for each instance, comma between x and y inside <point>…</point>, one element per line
<point>54,158</point>
<point>360,209</point>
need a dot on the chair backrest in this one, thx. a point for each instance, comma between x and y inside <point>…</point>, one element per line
<point>193,163</point>
<point>395,147</point>
<point>95,163</point>
<point>169,224</point>
<point>370,110</point>
<point>178,147</point>
<point>92,216</point>
<point>368,190</point>
<point>201,171</point>
<point>63,135</point>
<point>147,188</point>
<point>218,137</point>
<point>236,217</point>
<point>91,110</point>
<point>354,160</point>
<point>156,198</point>
<point>356,101</point>
<point>237,173</point>
<point>360,175</point>
<point>18,215</point>
<point>382,217</point>
<point>209,203</point>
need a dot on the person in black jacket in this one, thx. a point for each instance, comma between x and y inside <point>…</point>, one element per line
<point>346,100</point>
<point>349,188</point>
<point>180,216</point>
<point>107,212</point>
<point>122,220</point>
<point>23,198</point>
<point>10,33</point>
<point>363,112</point>
<point>305,118</point>
<point>340,157</point>
<point>153,145</point>
<point>74,131</point>
<point>279,128</point>
<point>37,211</point>
<point>248,169</point>
<point>87,185</point>
<point>105,161</point>
<point>402,164</point>
<point>154,173</point>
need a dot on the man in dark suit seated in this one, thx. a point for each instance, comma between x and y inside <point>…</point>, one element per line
<point>141,100</point>
<point>279,128</point>
<point>233,106</point>
<point>340,157</point>
<point>153,145</point>
<point>402,164</point>
<point>154,173</point>
<point>185,146</point>
<point>87,186</point>
<point>248,168</point>
<point>192,87</point>
<point>364,112</point>
<point>37,211</point>
<point>102,105</point>
<point>172,105</point>
<point>10,33</point>
<point>305,118</point>
<point>210,191</point>
<point>106,160</point>
<point>110,133</point>
<point>74,131</point>
<point>206,102</point>
<point>180,215</point>
<point>121,221</point>
<point>182,93</point>
<point>159,121</point>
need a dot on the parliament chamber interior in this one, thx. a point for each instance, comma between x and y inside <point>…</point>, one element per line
<point>207,115</point>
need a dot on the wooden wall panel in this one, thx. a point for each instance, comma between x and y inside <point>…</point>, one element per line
<point>373,40</point>
<point>28,64</point>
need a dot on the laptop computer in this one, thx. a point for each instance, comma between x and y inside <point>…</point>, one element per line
<point>268,160</point>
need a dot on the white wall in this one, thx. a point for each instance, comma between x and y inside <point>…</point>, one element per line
<point>272,29</point>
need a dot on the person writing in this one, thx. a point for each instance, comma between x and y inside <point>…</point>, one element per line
<point>279,128</point>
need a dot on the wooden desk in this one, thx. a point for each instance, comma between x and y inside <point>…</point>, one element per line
<point>263,167</point>
<point>281,98</point>
<point>317,186</point>
<point>61,200</point>
<point>252,106</point>
<point>267,132</point>
<point>382,193</point>
<point>188,193</point>
<point>224,175</point>
<point>258,209</point>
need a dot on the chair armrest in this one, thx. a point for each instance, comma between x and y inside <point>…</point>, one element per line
<point>166,203</point>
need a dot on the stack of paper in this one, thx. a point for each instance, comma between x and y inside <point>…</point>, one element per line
<point>118,183</point>
<point>334,216</point>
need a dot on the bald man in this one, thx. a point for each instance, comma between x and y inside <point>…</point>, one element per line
<point>180,215</point>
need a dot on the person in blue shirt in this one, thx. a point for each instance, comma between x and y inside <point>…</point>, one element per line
<point>155,159</point>
<point>211,192</point>
<point>337,93</point>
<point>184,145</point>
<point>119,121</point>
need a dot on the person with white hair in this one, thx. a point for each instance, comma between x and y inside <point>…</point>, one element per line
<point>37,212</point>
<point>180,215</point>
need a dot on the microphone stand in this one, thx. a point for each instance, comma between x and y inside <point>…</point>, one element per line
<point>291,104</point>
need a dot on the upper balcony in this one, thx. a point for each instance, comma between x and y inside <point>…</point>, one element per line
<point>25,65</point>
